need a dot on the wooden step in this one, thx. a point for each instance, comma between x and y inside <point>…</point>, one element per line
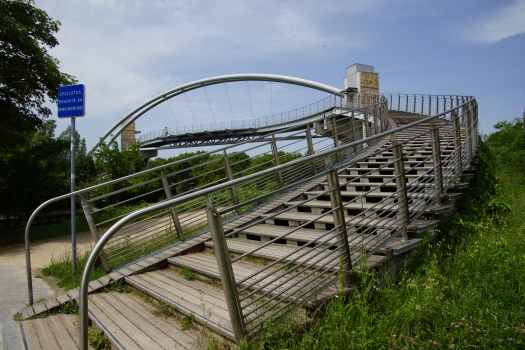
<point>204,302</point>
<point>129,324</point>
<point>363,225</point>
<point>312,257</point>
<point>53,332</point>
<point>379,208</point>
<point>365,195</point>
<point>380,224</point>
<point>304,236</point>
<point>272,281</point>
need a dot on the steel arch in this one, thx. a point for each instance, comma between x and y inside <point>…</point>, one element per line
<point>146,106</point>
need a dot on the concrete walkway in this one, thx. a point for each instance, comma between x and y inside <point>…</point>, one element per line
<point>14,297</point>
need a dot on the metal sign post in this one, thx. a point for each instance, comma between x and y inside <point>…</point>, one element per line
<point>71,104</point>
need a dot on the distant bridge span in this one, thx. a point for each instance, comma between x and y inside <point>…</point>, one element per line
<point>148,105</point>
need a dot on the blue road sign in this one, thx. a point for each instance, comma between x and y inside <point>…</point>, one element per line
<point>71,101</point>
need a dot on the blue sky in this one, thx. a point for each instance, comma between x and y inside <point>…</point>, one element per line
<point>126,52</point>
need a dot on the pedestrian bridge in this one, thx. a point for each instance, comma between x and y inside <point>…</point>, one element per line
<point>231,243</point>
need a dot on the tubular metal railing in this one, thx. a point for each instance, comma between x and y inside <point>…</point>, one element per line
<point>104,204</point>
<point>422,160</point>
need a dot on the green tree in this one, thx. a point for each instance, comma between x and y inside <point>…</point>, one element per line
<point>28,74</point>
<point>84,162</point>
<point>33,172</point>
<point>508,144</point>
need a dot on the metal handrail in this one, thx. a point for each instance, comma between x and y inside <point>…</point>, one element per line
<point>83,313</point>
<point>379,101</point>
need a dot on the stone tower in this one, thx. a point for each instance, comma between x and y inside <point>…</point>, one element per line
<point>361,78</point>
<point>127,137</point>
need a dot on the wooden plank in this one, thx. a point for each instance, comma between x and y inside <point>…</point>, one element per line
<point>190,298</point>
<point>166,334</point>
<point>63,298</point>
<point>73,293</point>
<point>51,303</point>
<point>30,335</point>
<point>135,267</point>
<point>44,337</point>
<point>27,312</point>
<point>194,292</point>
<point>95,284</point>
<point>106,318</point>
<point>116,275</point>
<point>39,308</point>
<point>125,271</point>
<point>104,280</point>
<point>59,328</point>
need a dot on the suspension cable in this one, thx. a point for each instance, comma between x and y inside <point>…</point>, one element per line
<point>262,97</point>
<point>249,97</point>
<point>191,110</point>
<point>209,105</point>
<point>231,110</point>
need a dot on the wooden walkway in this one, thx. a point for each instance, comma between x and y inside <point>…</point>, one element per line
<point>277,264</point>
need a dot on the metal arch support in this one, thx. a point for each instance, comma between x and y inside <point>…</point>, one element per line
<point>146,106</point>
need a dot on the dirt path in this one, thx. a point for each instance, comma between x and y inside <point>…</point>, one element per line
<point>13,280</point>
<point>43,251</point>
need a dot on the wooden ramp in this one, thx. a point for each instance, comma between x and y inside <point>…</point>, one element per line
<point>51,333</point>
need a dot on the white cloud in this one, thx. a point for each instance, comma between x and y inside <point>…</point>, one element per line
<point>127,52</point>
<point>504,23</point>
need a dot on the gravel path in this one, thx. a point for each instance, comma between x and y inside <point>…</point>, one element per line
<point>13,280</point>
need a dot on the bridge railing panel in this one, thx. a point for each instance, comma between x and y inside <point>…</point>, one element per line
<point>353,226</point>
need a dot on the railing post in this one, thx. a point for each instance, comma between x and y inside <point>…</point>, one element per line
<point>229,173</point>
<point>276,161</point>
<point>94,233</point>
<point>339,219</point>
<point>229,285</point>
<point>173,211</point>
<point>436,159</point>
<point>457,142</point>
<point>401,188</point>
<point>354,134</point>
<point>310,148</point>
<point>365,124</point>
<point>376,125</point>
<point>335,136</point>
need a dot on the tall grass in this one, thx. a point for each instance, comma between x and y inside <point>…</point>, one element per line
<point>61,269</point>
<point>466,290</point>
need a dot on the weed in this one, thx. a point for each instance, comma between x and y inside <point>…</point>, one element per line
<point>187,273</point>
<point>17,317</point>
<point>67,278</point>
<point>98,340</point>
<point>186,322</point>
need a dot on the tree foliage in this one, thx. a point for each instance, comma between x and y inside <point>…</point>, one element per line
<point>508,144</point>
<point>28,74</point>
<point>33,173</point>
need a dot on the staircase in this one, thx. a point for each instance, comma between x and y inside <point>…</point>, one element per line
<point>289,255</point>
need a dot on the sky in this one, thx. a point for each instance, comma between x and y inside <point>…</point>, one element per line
<point>128,51</point>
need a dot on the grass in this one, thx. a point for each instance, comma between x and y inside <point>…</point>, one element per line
<point>465,291</point>
<point>61,269</point>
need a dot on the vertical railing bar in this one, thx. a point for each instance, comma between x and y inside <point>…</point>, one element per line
<point>94,233</point>
<point>339,218</point>
<point>436,159</point>
<point>229,174</point>
<point>399,170</point>
<point>173,211</point>
<point>275,153</point>
<point>310,148</point>
<point>220,248</point>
